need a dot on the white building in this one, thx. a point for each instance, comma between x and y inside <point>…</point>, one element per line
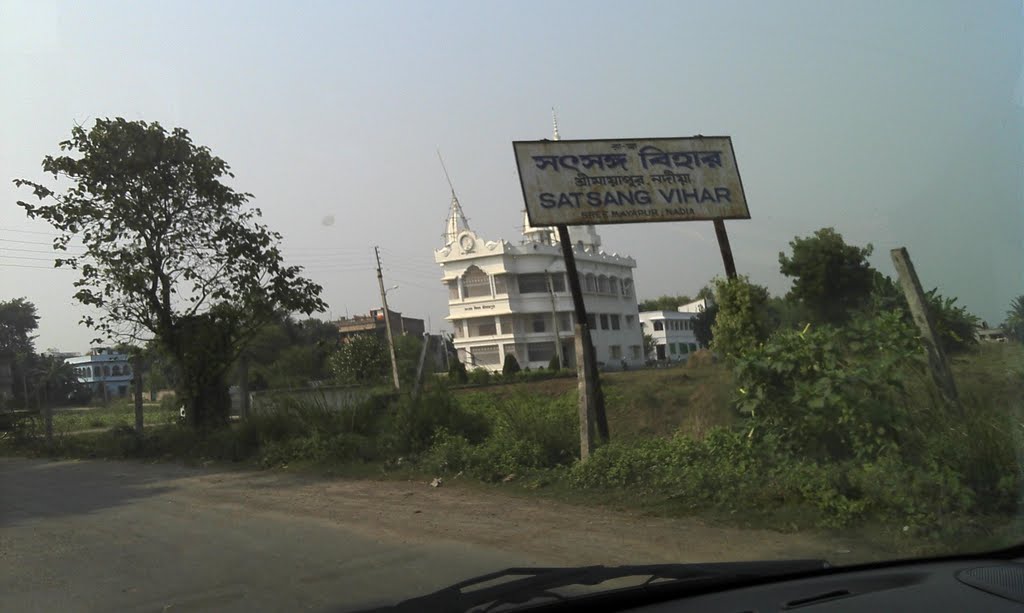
<point>509,298</point>
<point>673,331</point>
<point>104,368</point>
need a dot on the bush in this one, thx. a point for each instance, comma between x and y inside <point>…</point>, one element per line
<point>511,366</point>
<point>526,434</point>
<point>414,422</point>
<point>830,393</point>
<point>480,376</point>
<point>554,365</point>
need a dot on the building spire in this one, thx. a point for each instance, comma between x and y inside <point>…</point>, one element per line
<point>554,125</point>
<point>457,222</point>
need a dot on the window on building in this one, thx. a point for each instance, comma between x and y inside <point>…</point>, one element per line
<point>476,283</point>
<point>613,285</point>
<point>615,351</point>
<point>672,348</point>
<point>482,326</point>
<point>453,289</point>
<point>659,325</point>
<point>126,370</point>
<point>590,283</point>
<point>614,320</point>
<point>627,288</point>
<point>540,352</point>
<point>604,321</point>
<point>558,281</point>
<point>564,322</point>
<point>602,284</point>
<point>106,371</point>
<point>505,322</point>
<point>500,285</point>
<point>592,321</point>
<point>683,348</point>
<point>116,371</point>
<point>533,283</point>
<point>538,324</point>
<point>693,346</point>
<point>629,322</point>
<point>636,351</point>
<point>485,355</point>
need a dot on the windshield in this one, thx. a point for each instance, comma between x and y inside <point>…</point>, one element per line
<point>336,304</point>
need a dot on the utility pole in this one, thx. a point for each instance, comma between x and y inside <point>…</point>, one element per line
<point>554,323</point>
<point>387,320</point>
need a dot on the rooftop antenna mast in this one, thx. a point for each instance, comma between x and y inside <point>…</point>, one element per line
<point>449,179</point>
<point>554,125</point>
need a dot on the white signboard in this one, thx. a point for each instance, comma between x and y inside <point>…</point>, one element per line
<point>577,182</point>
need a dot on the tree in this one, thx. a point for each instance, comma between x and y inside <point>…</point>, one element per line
<point>830,278</point>
<point>511,366</point>
<point>649,345</point>
<point>553,364</point>
<point>706,293</point>
<point>664,303</point>
<point>1015,319</point>
<point>172,253</point>
<point>363,359</point>
<point>704,323</point>
<point>743,319</point>
<point>18,319</point>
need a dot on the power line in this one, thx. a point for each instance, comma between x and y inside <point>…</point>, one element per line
<point>26,257</point>
<point>6,265</point>
<point>28,232</point>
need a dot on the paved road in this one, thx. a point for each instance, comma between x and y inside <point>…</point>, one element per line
<point>106,536</point>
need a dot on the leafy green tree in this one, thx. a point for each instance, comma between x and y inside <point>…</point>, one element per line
<point>743,321</point>
<point>511,366</point>
<point>830,278</point>
<point>664,303</point>
<point>1015,319</point>
<point>703,325</point>
<point>172,253</point>
<point>363,359</point>
<point>457,371</point>
<point>706,293</point>
<point>18,321</point>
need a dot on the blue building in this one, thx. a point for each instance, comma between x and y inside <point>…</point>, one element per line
<point>106,372</point>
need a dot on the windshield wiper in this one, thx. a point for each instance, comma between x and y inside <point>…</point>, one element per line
<point>528,585</point>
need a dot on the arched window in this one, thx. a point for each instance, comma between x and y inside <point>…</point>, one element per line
<point>116,370</point>
<point>475,283</point>
<point>126,370</point>
<point>659,325</point>
<point>602,284</point>
<point>106,371</point>
<point>590,285</point>
<point>627,288</point>
<point>613,285</point>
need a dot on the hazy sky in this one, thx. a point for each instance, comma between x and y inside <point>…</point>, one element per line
<point>898,123</point>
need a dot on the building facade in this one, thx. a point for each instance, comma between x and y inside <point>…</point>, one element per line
<point>509,298</point>
<point>106,372</point>
<point>672,331</point>
<point>374,323</point>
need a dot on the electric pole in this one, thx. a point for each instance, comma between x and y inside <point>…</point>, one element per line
<point>387,320</point>
<point>554,323</point>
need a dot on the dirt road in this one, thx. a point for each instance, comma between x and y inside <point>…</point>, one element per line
<point>80,536</point>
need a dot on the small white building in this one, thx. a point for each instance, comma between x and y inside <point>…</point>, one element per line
<point>508,298</point>
<point>672,331</point>
<point>104,368</point>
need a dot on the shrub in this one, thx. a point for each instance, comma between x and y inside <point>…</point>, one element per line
<point>480,376</point>
<point>414,422</point>
<point>830,393</point>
